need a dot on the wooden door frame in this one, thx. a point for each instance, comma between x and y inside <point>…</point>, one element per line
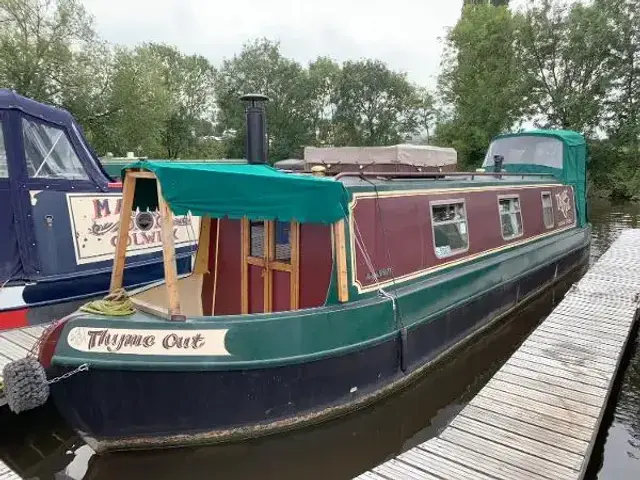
<point>269,265</point>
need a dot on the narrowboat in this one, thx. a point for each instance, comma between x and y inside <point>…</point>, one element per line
<point>60,219</point>
<point>312,295</point>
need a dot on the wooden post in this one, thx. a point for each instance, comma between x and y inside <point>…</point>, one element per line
<point>169,256</point>
<point>244,266</point>
<point>128,189</point>
<point>269,256</point>
<point>215,271</point>
<point>294,278</point>
<point>341,261</point>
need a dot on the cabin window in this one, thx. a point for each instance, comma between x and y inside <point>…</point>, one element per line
<point>257,239</point>
<point>510,217</point>
<point>4,170</point>
<point>450,229</point>
<point>547,210</point>
<point>49,153</point>
<point>282,244</point>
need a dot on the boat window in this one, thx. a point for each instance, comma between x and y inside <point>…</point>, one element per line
<point>547,210</point>
<point>49,153</point>
<point>282,244</point>
<point>450,229</point>
<point>510,217</point>
<point>257,239</point>
<point>4,170</point>
<point>529,150</point>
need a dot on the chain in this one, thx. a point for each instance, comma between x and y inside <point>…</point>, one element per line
<point>82,368</point>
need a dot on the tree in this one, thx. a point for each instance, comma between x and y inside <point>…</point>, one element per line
<point>481,84</point>
<point>189,81</point>
<point>495,3</point>
<point>324,74</point>
<point>41,46</point>
<point>137,105</point>
<point>566,54</point>
<point>374,105</point>
<point>260,67</point>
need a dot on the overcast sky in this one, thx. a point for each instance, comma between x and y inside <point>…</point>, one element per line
<point>406,34</point>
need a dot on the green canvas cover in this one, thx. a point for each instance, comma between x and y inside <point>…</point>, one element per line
<point>574,164</point>
<point>258,192</point>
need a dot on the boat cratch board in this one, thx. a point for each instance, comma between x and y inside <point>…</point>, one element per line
<point>94,223</point>
<point>149,342</point>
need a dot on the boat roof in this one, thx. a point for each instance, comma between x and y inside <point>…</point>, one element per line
<point>261,192</point>
<point>358,184</point>
<point>10,100</point>
<point>257,191</point>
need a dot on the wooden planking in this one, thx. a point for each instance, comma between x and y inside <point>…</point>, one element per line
<point>539,415</point>
<point>528,430</point>
<point>488,465</point>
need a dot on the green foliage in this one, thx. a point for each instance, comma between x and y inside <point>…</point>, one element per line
<point>481,82</point>
<point>565,53</point>
<point>260,67</point>
<point>374,105</point>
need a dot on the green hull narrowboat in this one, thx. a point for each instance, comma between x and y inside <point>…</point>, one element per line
<point>312,295</point>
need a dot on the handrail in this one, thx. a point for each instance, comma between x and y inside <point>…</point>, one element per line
<point>437,174</point>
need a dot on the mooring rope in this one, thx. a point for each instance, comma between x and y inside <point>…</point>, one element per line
<point>116,303</point>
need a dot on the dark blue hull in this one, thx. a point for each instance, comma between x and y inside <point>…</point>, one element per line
<point>115,409</point>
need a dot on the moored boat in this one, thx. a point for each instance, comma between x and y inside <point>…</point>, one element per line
<point>313,295</point>
<point>60,217</point>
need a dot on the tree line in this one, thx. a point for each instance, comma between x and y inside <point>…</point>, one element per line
<point>552,64</point>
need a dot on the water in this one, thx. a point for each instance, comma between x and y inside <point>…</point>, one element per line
<point>38,444</point>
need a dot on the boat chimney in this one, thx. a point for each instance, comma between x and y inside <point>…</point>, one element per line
<point>256,147</point>
<point>498,160</point>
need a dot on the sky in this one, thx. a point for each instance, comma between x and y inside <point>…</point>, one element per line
<point>406,34</point>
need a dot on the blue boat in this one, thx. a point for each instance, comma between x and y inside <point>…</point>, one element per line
<point>59,219</point>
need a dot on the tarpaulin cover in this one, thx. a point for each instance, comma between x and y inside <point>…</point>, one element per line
<point>258,192</point>
<point>572,171</point>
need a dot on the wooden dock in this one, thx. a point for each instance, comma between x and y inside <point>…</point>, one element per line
<point>539,416</point>
<point>15,344</point>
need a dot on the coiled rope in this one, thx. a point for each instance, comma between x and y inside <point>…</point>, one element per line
<point>117,303</point>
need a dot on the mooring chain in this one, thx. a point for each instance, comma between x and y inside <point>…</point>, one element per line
<point>82,368</point>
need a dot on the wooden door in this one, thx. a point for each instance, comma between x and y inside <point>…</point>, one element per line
<point>270,269</point>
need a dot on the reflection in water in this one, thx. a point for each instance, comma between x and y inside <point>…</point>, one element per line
<point>38,444</point>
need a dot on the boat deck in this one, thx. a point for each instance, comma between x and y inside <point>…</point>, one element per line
<point>15,344</point>
<point>539,415</point>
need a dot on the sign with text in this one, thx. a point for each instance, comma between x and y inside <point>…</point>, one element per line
<point>148,342</point>
<point>95,220</point>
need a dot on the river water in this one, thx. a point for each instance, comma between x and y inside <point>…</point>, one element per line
<point>38,444</point>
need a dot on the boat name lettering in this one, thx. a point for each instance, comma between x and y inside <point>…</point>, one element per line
<point>148,342</point>
<point>381,273</point>
<point>95,220</point>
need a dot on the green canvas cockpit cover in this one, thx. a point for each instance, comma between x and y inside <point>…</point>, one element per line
<point>564,156</point>
<point>258,192</point>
